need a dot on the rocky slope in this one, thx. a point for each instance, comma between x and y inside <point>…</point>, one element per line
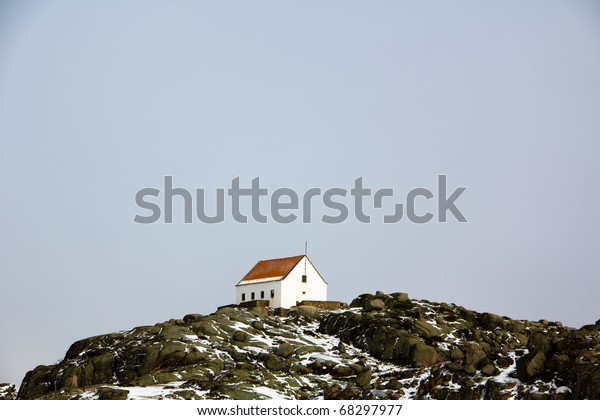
<point>8,392</point>
<point>382,347</point>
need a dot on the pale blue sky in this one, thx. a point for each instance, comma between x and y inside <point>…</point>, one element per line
<point>100,99</point>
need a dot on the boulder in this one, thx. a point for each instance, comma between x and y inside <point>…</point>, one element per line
<point>259,311</point>
<point>323,366</point>
<point>530,366</point>
<point>357,367</point>
<point>393,384</point>
<point>165,377</point>
<point>474,354</point>
<point>302,350</point>
<point>106,393</point>
<point>194,357</point>
<point>259,325</point>
<point>490,370</point>
<point>185,394</point>
<point>374,305</point>
<point>490,321</point>
<point>171,347</point>
<point>146,380</point>
<point>276,363</point>
<point>359,301</point>
<point>456,354</point>
<point>332,392</point>
<point>498,390</point>
<point>426,330</point>
<point>400,297</point>
<point>341,371</point>
<point>240,336</point>
<point>284,350</point>
<point>470,369</point>
<point>351,393</point>
<point>539,342</point>
<point>300,369</point>
<point>363,379</point>
<point>174,332</point>
<point>205,328</point>
<point>424,355</point>
<point>191,318</point>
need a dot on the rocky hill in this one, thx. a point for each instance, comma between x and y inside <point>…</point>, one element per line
<point>381,347</point>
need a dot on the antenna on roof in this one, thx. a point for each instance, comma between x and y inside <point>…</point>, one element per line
<point>305,255</point>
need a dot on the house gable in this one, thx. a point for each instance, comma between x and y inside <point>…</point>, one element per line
<point>295,287</point>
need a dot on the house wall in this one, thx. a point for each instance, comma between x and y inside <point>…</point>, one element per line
<point>293,290</point>
<point>257,288</point>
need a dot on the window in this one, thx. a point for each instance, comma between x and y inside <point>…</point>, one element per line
<point>272,294</point>
<point>243,297</point>
<point>262,294</point>
<point>303,278</point>
<point>252,296</point>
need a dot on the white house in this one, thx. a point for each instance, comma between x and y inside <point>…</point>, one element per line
<point>282,281</point>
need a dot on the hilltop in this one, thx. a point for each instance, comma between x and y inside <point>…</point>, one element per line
<point>383,346</point>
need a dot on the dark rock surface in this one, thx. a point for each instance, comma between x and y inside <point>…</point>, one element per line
<point>8,392</point>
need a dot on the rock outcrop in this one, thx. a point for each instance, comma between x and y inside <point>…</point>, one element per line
<point>382,347</point>
<point>8,392</point>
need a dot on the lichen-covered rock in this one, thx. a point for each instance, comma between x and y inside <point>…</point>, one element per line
<point>8,392</point>
<point>240,336</point>
<point>284,350</point>
<point>426,329</point>
<point>112,394</point>
<point>374,305</point>
<point>363,379</point>
<point>276,363</point>
<point>424,355</point>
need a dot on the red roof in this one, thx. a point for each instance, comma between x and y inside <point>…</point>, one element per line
<point>279,267</point>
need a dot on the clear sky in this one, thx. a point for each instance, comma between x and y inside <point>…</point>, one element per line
<point>99,99</point>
